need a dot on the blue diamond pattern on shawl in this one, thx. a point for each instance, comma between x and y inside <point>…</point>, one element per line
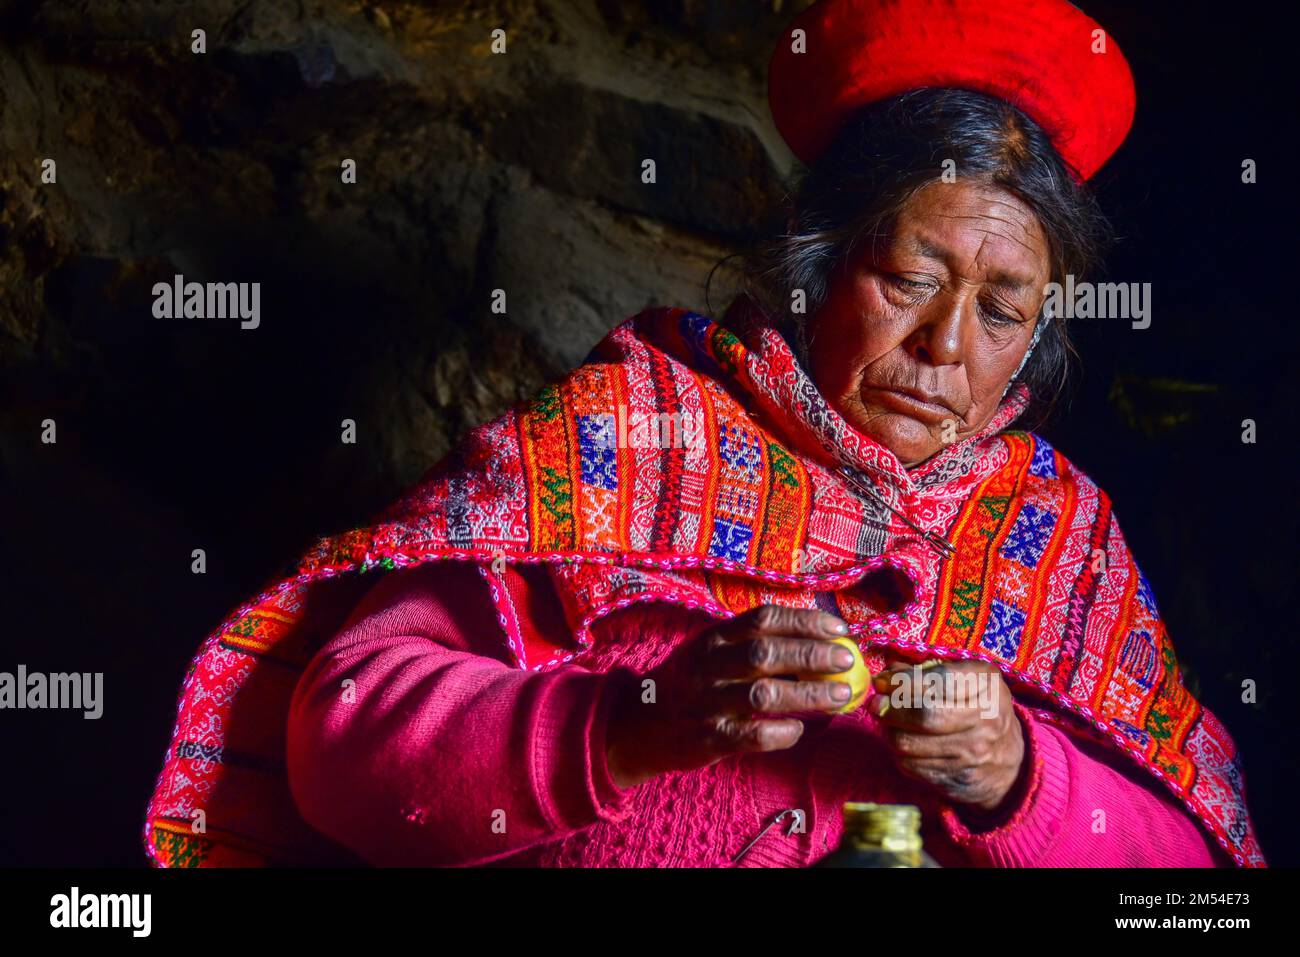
<point>1029,536</point>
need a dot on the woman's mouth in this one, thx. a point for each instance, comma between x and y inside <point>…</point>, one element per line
<point>917,405</point>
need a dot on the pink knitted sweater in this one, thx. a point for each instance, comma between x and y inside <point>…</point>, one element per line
<point>411,741</point>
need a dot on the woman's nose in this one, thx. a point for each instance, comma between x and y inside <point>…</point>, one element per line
<point>939,339</point>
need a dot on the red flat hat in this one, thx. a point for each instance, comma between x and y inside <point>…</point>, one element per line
<point>1036,54</point>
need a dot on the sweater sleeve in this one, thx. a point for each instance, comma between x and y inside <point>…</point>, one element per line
<point>411,741</point>
<point>1082,806</point>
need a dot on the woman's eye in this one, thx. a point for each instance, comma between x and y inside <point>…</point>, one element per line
<point>997,316</point>
<point>910,285</point>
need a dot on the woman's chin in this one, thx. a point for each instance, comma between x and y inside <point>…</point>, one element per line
<point>907,438</point>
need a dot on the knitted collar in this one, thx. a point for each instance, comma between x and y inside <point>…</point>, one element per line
<point>797,410</point>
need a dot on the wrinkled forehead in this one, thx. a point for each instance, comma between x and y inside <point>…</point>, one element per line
<point>976,230</point>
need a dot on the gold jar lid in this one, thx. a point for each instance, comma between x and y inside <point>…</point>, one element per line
<point>890,827</point>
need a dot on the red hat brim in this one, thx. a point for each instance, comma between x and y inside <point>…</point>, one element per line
<point>1036,54</point>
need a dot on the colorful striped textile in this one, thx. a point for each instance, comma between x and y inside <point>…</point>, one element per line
<point>689,462</point>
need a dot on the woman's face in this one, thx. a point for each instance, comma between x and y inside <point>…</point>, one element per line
<point>915,345</point>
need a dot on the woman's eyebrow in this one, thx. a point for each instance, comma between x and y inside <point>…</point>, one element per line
<point>1014,282</point>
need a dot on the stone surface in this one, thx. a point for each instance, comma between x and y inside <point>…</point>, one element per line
<point>475,172</point>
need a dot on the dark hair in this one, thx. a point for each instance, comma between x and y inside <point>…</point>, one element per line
<point>884,154</point>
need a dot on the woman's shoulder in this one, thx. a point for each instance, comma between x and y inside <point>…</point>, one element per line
<point>1059,485</point>
<point>1044,461</point>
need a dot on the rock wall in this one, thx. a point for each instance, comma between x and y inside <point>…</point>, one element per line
<point>475,171</point>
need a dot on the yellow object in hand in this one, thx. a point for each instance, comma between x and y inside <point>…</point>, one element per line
<point>857,677</point>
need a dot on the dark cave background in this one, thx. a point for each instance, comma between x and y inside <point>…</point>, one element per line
<point>521,172</point>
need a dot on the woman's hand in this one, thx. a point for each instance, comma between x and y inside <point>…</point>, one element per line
<point>712,693</point>
<point>962,737</point>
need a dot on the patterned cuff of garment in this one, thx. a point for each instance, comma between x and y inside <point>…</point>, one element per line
<point>1020,837</point>
<point>609,800</point>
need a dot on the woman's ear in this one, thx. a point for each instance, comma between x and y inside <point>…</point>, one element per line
<point>1043,319</point>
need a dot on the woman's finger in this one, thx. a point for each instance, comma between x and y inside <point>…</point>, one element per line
<point>733,735</point>
<point>779,695</point>
<point>930,747</point>
<point>780,621</point>
<point>922,718</point>
<point>935,697</point>
<point>770,655</point>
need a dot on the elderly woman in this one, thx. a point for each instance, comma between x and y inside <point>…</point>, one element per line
<point>604,635</point>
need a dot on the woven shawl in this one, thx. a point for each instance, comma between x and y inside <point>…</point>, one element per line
<point>695,462</point>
